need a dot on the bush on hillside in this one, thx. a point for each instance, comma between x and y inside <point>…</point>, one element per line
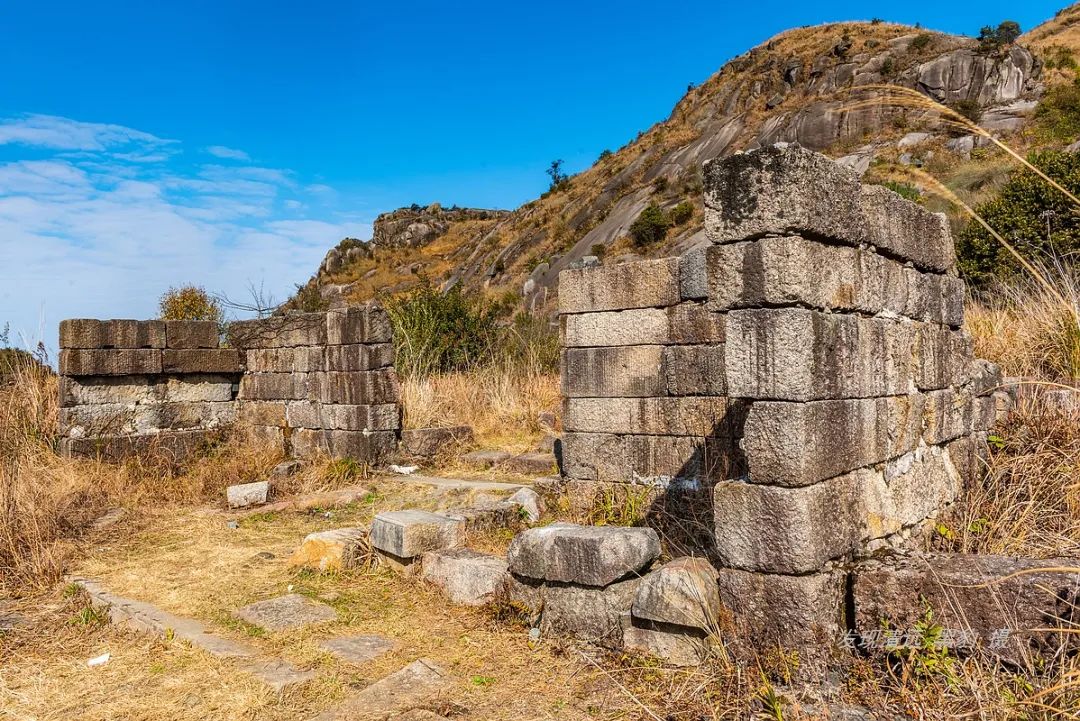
<point>1006,33</point>
<point>682,212</point>
<point>1057,116</point>
<point>189,302</point>
<point>650,227</point>
<point>1039,221</point>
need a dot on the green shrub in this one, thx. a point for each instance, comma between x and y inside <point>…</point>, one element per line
<point>970,109</point>
<point>682,212</point>
<point>189,302</point>
<point>308,299</point>
<point>1036,219</point>
<point>659,185</point>
<point>604,155</point>
<point>904,190</point>
<point>922,40</point>
<point>650,227</point>
<point>1057,116</point>
<point>598,249</point>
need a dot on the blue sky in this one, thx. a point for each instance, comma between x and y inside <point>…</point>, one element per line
<point>144,145</point>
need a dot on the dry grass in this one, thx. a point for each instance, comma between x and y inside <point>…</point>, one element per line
<point>501,406</point>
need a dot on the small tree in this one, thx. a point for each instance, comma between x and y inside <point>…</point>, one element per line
<point>650,227</point>
<point>682,212</point>
<point>189,302</point>
<point>1006,33</point>
<point>558,177</point>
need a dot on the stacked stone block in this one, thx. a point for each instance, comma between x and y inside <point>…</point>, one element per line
<point>131,386</point>
<point>808,365</point>
<point>321,382</point>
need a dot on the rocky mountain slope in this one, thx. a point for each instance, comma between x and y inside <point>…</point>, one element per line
<point>801,86</point>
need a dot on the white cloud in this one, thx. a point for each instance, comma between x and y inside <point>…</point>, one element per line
<point>220,151</point>
<point>94,234</point>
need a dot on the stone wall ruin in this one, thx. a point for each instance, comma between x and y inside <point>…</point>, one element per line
<point>803,383</point>
<point>306,382</point>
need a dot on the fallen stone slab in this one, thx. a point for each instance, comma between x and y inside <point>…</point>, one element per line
<point>331,550</point>
<point>357,649</point>
<point>393,696</point>
<point>589,613</point>
<point>484,459</point>
<point>427,442</point>
<point>1014,608</point>
<point>487,516</point>
<point>326,499</point>
<point>681,592</point>
<point>147,618</point>
<point>286,613</point>
<point>455,484</point>
<point>466,576</point>
<point>248,494</point>
<point>528,464</point>
<point>408,534</point>
<point>586,555</point>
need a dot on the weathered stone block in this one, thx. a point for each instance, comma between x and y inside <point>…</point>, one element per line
<point>195,388</point>
<point>333,416</point>
<point>1008,606</point>
<point>645,326</point>
<point>286,613</point>
<point>796,530</point>
<point>357,649</point>
<point>466,576</point>
<point>650,460</point>
<point>944,356</point>
<point>531,464</point>
<point>331,550</point>
<point>644,284</point>
<point>694,370</point>
<point>585,555</point>
<point>803,355</point>
<point>427,442</point>
<point>191,334</point>
<point>355,389</point>
<point>277,386</point>
<point>675,646</point>
<point>356,357</point>
<point>693,277</point>
<point>485,458</point>
<point>150,418</point>
<point>947,415</point>
<point>592,614</point>
<point>119,390</point>
<point>84,362</point>
<point>285,360</point>
<point>90,334</point>
<point>681,592</point>
<point>263,413</point>
<point>694,323</point>
<point>361,324</point>
<point>279,331</point>
<point>805,613</point>
<point>530,503</point>
<point>634,371</point>
<point>798,444</point>
<point>907,230</point>
<point>782,189</point>
<point>248,494</point>
<point>104,419</point>
<point>685,416</point>
<point>407,534</point>
<point>372,446</point>
<point>174,447</point>
<point>200,360</point>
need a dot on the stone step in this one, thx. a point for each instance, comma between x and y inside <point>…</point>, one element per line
<point>147,618</point>
<point>454,483</point>
<point>393,696</point>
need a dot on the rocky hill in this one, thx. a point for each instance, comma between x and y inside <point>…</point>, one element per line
<point>807,85</point>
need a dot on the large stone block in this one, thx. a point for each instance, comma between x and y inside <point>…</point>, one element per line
<point>796,530</point>
<point>200,360</point>
<point>803,355</point>
<point>584,555</point>
<point>674,645</point>
<point>361,324</point>
<point>429,442</point>
<point>90,334</point>
<point>356,357</point>
<point>803,613</point>
<point>332,416</point>
<point>103,419</point>
<point>947,415</point>
<point>331,550</point>
<point>279,331</point>
<point>195,388</point>
<point>694,370</point>
<point>191,334</point>
<point>682,592</point>
<point>782,189</point>
<point>695,323</point>
<point>363,388</point>
<point>688,322</point>
<point>944,356</point>
<point>685,416</point>
<point>174,447</point>
<point>798,444</point>
<point>633,371</point>
<point>645,284</point>
<point>263,413</point>
<point>592,614</point>
<point>151,417</point>
<point>285,360</point>
<point>277,386</point>
<point>907,230</point>
<point>1011,607</point>
<point>407,534</point>
<point>125,362</point>
<point>372,446</point>
<point>649,460</point>
<point>466,576</point>
<point>108,390</point>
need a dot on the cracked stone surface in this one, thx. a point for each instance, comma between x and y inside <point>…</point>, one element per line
<point>286,613</point>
